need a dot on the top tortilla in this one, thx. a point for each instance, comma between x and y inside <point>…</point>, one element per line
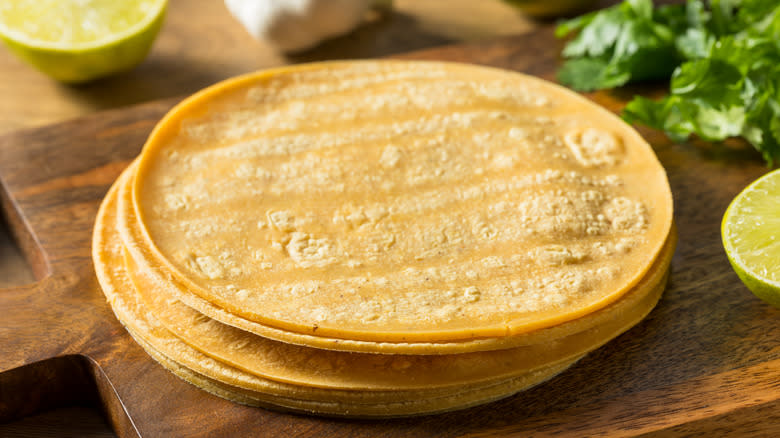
<point>400,201</point>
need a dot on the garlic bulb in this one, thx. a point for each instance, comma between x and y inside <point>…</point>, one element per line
<point>294,25</point>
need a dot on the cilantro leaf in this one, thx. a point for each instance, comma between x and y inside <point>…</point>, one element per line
<point>598,34</point>
<point>629,41</point>
<point>722,58</point>
<point>589,74</point>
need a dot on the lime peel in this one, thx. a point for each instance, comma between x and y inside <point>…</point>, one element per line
<point>79,55</point>
<point>751,236</point>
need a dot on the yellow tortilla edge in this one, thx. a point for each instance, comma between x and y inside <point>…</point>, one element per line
<point>419,407</point>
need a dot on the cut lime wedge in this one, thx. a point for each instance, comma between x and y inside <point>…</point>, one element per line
<point>80,40</point>
<point>751,236</point>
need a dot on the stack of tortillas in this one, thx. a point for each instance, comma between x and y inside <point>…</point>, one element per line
<point>383,238</point>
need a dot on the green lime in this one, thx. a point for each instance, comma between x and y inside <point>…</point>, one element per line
<point>751,236</point>
<point>79,40</point>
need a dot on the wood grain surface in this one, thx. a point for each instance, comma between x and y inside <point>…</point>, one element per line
<point>706,360</point>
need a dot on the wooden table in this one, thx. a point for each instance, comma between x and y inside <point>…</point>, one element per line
<point>201,44</point>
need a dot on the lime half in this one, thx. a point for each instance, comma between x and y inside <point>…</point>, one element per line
<point>79,40</point>
<point>751,236</point>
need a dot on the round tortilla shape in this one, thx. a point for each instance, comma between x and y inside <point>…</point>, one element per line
<point>139,305</point>
<point>168,288</point>
<point>399,201</point>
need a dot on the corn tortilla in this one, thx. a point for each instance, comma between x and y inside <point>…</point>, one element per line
<point>403,202</point>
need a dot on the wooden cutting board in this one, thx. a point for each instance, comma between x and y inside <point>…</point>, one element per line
<point>707,359</point>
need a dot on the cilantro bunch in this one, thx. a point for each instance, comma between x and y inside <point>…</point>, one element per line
<point>723,58</point>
